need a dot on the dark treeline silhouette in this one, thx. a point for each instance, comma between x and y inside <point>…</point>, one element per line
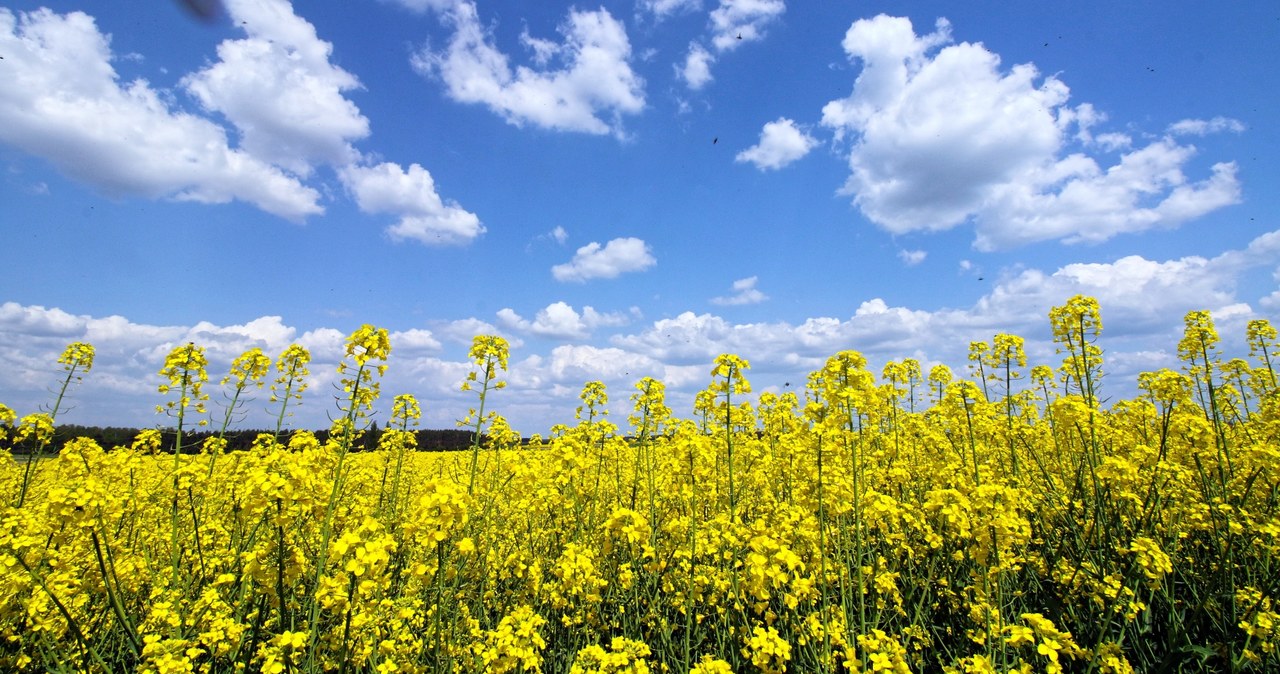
<point>109,437</point>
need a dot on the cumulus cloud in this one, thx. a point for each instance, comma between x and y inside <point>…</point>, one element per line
<point>735,22</point>
<point>943,135</point>
<point>662,9</point>
<point>1143,301</point>
<point>63,101</point>
<point>590,93</point>
<point>575,364</point>
<point>424,216</point>
<point>781,142</point>
<point>280,91</point>
<point>562,321</point>
<point>414,340</point>
<point>744,292</point>
<point>731,24</point>
<point>618,256</point>
<point>696,71</point>
<point>276,87</point>
<point>1202,127</point>
<point>464,330</point>
<point>1076,201</point>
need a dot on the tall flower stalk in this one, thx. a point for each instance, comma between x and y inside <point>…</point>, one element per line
<point>727,380</point>
<point>489,354</point>
<point>76,361</point>
<point>247,371</point>
<point>398,439</point>
<point>360,371</point>
<point>184,372</point>
<point>291,380</point>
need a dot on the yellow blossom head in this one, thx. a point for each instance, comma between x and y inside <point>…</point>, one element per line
<point>77,356</point>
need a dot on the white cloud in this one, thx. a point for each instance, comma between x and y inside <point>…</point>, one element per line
<point>60,99</point>
<point>1113,141</point>
<point>618,256</point>
<point>781,143</point>
<point>912,258</point>
<point>1142,300</point>
<point>735,22</point>
<point>744,292</point>
<point>1271,302</point>
<point>591,93</point>
<point>463,331</point>
<point>696,71</point>
<point>950,137</point>
<point>1201,127</point>
<point>731,24</point>
<point>576,364</point>
<point>424,216</point>
<point>559,235</point>
<point>1082,203</point>
<point>662,9</point>
<point>279,89</point>
<point>562,321</point>
<point>414,340</point>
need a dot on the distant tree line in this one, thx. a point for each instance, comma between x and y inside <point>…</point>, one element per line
<point>109,437</point>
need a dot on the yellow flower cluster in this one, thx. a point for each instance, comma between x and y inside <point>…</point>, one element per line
<point>515,646</point>
<point>892,523</point>
<point>624,656</point>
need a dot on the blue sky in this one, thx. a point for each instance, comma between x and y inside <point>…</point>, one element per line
<point>622,190</point>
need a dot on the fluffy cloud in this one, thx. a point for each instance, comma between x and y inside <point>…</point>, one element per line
<point>781,143</point>
<point>1142,301</point>
<point>280,91</point>
<point>744,292</point>
<point>463,331</point>
<point>1202,127</point>
<point>950,137</point>
<point>277,87</point>
<point>63,101</point>
<point>662,9</point>
<point>424,216</point>
<point>1076,201</point>
<point>562,321</point>
<point>415,340</point>
<point>696,71</point>
<point>591,93</point>
<point>577,364</point>
<point>737,21</point>
<point>731,24</point>
<point>616,257</point>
